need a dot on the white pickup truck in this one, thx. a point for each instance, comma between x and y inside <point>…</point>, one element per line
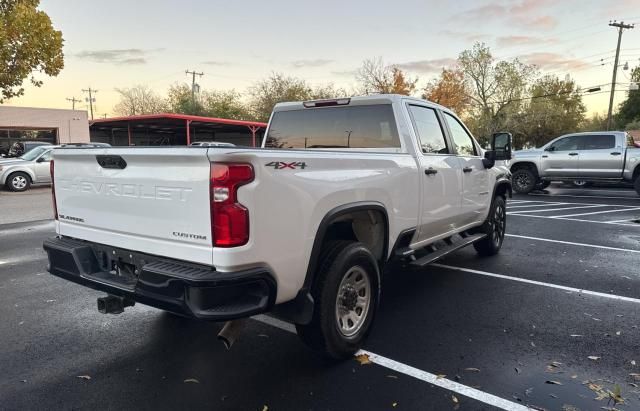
<point>300,228</point>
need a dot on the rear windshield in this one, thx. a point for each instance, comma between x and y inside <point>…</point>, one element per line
<point>334,127</point>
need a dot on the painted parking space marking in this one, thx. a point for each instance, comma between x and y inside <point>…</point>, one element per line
<point>540,283</point>
<point>603,247</point>
<point>410,371</point>
<point>574,219</point>
<point>575,196</point>
<point>545,204</point>
<point>556,209</point>
<point>597,212</point>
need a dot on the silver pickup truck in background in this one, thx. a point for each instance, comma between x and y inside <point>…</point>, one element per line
<point>603,156</point>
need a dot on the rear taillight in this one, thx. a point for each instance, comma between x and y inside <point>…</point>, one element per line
<point>53,190</point>
<point>229,218</point>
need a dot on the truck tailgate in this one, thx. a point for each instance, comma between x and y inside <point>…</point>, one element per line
<point>151,200</point>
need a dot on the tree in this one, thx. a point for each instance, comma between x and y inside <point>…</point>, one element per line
<point>375,77</point>
<point>629,110</point>
<point>496,87</point>
<point>179,101</point>
<point>554,108</point>
<point>28,44</point>
<point>139,100</point>
<point>450,90</point>
<point>597,122</point>
<point>225,104</point>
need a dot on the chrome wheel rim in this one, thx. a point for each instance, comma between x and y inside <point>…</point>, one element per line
<point>353,302</point>
<point>498,225</point>
<point>19,182</point>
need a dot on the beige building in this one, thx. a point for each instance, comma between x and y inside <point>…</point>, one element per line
<point>55,126</point>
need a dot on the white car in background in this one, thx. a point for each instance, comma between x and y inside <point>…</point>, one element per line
<point>18,174</point>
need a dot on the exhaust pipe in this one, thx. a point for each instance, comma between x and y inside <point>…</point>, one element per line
<point>230,332</point>
<point>113,304</point>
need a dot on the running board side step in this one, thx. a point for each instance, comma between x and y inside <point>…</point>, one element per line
<point>439,253</point>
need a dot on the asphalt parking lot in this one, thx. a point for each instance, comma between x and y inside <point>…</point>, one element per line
<point>550,323</point>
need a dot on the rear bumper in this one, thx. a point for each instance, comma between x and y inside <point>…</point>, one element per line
<point>190,290</point>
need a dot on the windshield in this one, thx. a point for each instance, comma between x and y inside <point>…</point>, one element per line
<point>33,154</point>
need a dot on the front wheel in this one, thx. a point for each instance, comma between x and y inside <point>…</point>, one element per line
<point>18,182</point>
<point>524,181</point>
<point>346,292</point>
<point>494,227</point>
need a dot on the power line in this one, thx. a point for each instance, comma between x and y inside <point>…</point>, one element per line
<point>621,27</point>
<point>193,85</point>
<point>73,101</point>
<point>91,99</point>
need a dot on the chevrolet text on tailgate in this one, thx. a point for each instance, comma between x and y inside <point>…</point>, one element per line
<point>301,228</point>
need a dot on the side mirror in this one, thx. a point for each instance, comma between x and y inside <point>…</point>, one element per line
<point>501,146</point>
<point>40,160</point>
<point>489,159</point>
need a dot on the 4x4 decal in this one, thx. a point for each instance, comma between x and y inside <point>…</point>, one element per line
<point>281,165</point>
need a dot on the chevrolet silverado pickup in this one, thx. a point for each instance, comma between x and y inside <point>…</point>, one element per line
<point>300,228</point>
<point>602,156</point>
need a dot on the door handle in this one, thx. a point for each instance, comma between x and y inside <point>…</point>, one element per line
<point>545,156</point>
<point>467,169</point>
<point>430,171</point>
<point>615,153</point>
<point>573,154</point>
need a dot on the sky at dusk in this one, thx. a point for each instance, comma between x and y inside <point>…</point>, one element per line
<point>116,44</point>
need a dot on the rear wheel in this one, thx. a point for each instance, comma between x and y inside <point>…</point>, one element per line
<point>18,182</point>
<point>524,181</point>
<point>346,291</point>
<point>494,227</point>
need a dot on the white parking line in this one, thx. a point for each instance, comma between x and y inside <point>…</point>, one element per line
<point>597,212</point>
<point>536,205</point>
<point>567,195</point>
<point>540,283</point>
<point>556,209</point>
<point>573,219</point>
<point>405,369</point>
<point>604,247</point>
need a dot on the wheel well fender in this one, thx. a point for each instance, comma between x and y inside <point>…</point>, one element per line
<point>525,165</point>
<point>27,172</point>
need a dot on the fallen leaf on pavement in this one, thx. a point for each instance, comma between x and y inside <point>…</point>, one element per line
<point>192,380</point>
<point>394,405</point>
<point>454,399</point>
<point>593,357</point>
<point>471,369</point>
<point>265,408</point>
<point>84,377</point>
<point>517,370</point>
<point>618,332</point>
<point>553,382</point>
<point>363,359</point>
<point>633,362</point>
<point>440,376</point>
<point>395,377</point>
<point>574,376</point>
<point>576,335</point>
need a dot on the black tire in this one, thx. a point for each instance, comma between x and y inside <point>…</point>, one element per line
<point>338,262</point>
<point>524,181</point>
<point>636,185</point>
<point>541,185</point>
<point>18,181</point>
<point>494,227</point>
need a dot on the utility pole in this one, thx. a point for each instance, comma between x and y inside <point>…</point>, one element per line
<point>193,86</point>
<point>91,100</point>
<point>621,27</point>
<point>73,101</point>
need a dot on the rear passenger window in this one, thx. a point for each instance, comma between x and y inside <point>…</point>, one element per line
<point>598,142</point>
<point>461,138</point>
<point>429,130</point>
<point>367,126</point>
